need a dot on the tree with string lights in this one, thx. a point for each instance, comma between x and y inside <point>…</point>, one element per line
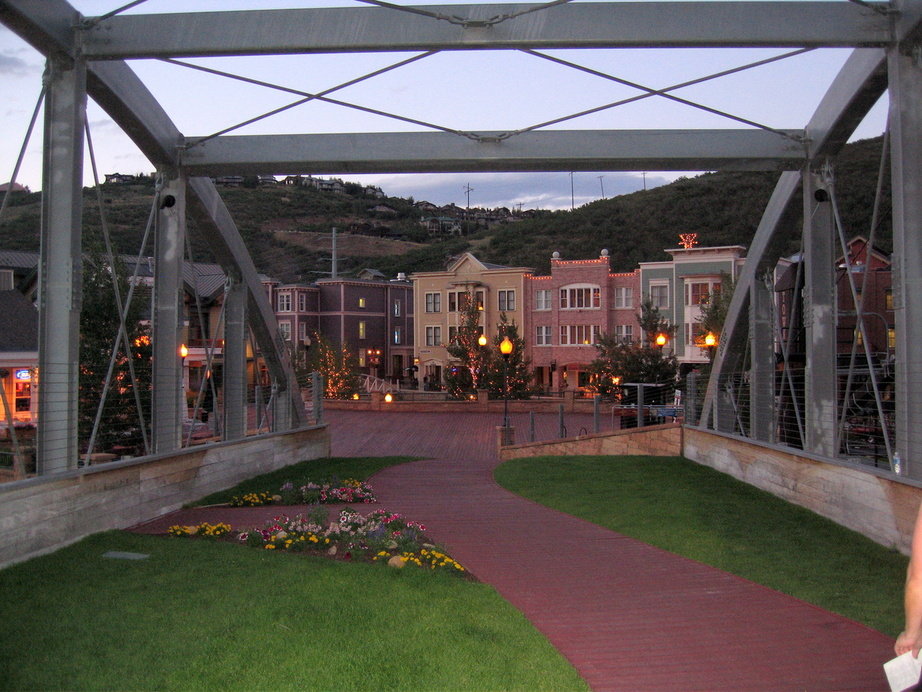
<point>337,365</point>
<point>465,377</point>
<point>513,373</point>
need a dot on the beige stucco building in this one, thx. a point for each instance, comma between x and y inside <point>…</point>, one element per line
<point>437,305</point>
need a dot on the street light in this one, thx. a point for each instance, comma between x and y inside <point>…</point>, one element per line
<point>661,339</point>
<point>505,348</point>
<point>482,340</point>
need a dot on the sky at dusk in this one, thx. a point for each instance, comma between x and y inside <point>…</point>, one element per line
<point>464,90</point>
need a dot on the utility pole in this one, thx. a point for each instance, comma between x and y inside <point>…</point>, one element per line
<point>645,181</point>
<point>601,185</point>
<point>571,190</point>
<point>468,189</point>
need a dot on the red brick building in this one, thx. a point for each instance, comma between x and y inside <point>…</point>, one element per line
<point>567,311</point>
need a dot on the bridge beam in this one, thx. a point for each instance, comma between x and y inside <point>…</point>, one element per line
<point>61,265</point>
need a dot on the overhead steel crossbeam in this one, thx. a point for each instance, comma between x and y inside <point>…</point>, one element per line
<point>552,150</point>
<point>573,25</point>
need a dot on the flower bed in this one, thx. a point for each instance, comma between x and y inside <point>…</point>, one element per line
<point>310,493</point>
<point>377,537</point>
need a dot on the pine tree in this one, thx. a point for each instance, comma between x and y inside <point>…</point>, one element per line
<point>513,373</point>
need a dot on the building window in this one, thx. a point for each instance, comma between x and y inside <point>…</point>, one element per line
<point>888,299</point>
<point>542,300</point>
<point>361,302</point>
<point>891,337</point>
<point>624,333</point>
<point>396,335</point>
<point>579,334</point>
<point>302,331</point>
<point>285,330</point>
<point>362,359</point>
<point>479,298</point>
<point>6,280</point>
<point>580,297</point>
<point>506,300</point>
<point>284,302</point>
<point>302,302</point>
<point>433,302</point>
<point>396,308</point>
<point>659,295</point>
<point>433,336</point>
<point>543,336</point>
<point>452,301</point>
<point>452,334</point>
<point>362,329</point>
<point>696,293</point>
<point>624,297</point>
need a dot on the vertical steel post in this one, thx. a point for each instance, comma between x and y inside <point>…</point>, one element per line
<point>60,268</point>
<point>596,423</point>
<point>170,231</point>
<point>235,361</point>
<point>761,348</point>
<point>819,318</point>
<point>561,428</point>
<point>905,84</point>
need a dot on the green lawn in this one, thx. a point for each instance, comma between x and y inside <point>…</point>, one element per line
<point>708,516</point>
<point>211,615</point>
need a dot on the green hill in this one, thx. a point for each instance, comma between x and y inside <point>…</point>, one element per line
<point>287,228</point>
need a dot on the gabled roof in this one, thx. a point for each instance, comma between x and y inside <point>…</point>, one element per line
<point>18,323</point>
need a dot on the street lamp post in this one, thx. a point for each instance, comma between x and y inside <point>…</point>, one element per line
<point>505,348</point>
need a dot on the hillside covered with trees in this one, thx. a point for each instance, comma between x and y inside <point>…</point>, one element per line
<point>287,229</point>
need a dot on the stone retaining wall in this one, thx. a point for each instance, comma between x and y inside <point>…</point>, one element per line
<point>39,515</point>
<point>871,501</point>
<point>653,440</point>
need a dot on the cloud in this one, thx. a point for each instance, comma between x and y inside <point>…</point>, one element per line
<point>528,190</point>
<point>17,67</point>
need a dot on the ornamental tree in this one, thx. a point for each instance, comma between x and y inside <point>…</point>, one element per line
<point>466,376</point>
<point>338,366</point>
<point>498,374</point>
<point>619,363</point>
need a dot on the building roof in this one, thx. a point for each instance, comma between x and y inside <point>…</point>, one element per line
<point>18,323</point>
<point>18,259</point>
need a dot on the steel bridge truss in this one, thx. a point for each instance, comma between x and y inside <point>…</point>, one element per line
<point>87,56</point>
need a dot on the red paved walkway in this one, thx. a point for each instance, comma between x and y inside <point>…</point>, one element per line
<point>628,616</point>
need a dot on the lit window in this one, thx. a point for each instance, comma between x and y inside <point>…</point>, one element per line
<point>580,297</point>
<point>888,299</point>
<point>362,329</point>
<point>396,335</point>
<point>696,293</point>
<point>396,308</point>
<point>361,302</point>
<point>891,338</point>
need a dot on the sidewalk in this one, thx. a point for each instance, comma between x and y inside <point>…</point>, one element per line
<point>628,616</point>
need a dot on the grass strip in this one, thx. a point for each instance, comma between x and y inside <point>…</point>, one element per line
<point>209,615</point>
<point>359,468</point>
<point>705,515</point>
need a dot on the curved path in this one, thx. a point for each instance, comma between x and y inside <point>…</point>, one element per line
<point>628,616</point>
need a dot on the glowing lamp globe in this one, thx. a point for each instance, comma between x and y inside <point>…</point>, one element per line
<point>505,346</point>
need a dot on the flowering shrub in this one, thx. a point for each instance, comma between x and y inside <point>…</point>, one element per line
<point>378,536</point>
<point>203,529</point>
<point>349,490</point>
<point>252,500</point>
